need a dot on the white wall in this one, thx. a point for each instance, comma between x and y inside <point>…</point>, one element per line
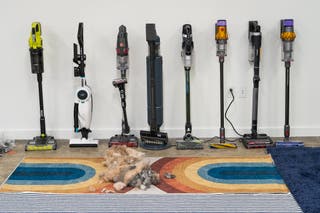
<point>59,19</point>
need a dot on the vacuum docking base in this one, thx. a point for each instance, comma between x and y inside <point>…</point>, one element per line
<point>83,142</point>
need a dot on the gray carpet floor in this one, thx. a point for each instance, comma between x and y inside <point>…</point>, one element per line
<point>33,202</point>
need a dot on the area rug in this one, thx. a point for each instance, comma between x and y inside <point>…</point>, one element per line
<point>300,169</point>
<point>57,175</point>
<point>219,175</point>
<point>192,175</point>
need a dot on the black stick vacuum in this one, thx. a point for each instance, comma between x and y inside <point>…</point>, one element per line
<point>189,141</point>
<point>255,140</point>
<point>123,65</point>
<point>154,139</point>
<point>42,142</point>
<point>221,43</point>
<point>287,36</point>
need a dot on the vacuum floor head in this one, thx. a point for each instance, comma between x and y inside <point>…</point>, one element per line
<point>223,145</point>
<point>127,140</point>
<point>189,142</point>
<point>41,144</point>
<point>286,143</point>
<point>260,141</point>
<point>154,140</point>
<point>83,142</point>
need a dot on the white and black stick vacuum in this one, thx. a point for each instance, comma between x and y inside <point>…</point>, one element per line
<point>83,98</point>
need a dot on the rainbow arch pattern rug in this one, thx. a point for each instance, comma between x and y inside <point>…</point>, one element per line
<point>220,175</point>
<point>57,175</point>
<point>193,175</point>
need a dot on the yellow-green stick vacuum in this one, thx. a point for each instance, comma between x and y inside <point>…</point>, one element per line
<point>221,37</point>
<point>42,142</point>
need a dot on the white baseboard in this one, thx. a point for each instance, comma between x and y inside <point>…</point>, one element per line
<point>172,132</point>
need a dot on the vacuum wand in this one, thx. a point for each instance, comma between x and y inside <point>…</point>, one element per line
<point>120,83</point>
<point>42,142</point>
<point>189,141</point>
<point>83,104</point>
<point>255,46</point>
<point>255,140</point>
<point>221,37</point>
<point>37,67</point>
<point>155,120</point>
<point>122,65</point>
<point>186,54</point>
<point>154,139</point>
<point>287,36</point>
<point>122,49</point>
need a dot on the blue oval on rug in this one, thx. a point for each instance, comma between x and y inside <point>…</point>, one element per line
<point>241,173</point>
<point>50,174</point>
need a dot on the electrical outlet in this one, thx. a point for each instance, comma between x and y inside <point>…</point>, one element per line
<point>242,92</point>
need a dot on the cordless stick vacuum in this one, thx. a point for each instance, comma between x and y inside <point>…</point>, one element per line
<point>287,36</point>
<point>42,142</point>
<point>221,36</point>
<point>255,140</point>
<point>123,65</point>
<point>154,139</point>
<point>189,141</point>
<point>82,113</point>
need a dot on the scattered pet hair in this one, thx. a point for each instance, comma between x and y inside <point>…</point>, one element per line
<point>127,167</point>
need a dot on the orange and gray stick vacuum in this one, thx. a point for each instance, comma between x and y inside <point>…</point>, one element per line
<point>287,36</point>
<point>123,65</point>
<point>221,37</point>
<point>42,142</point>
<point>154,139</point>
<point>189,141</point>
<point>82,112</point>
<point>255,140</point>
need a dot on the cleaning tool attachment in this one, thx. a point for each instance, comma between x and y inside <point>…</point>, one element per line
<point>42,142</point>
<point>287,36</point>
<point>189,141</point>
<point>82,111</point>
<point>255,140</point>
<point>154,139</point>
<point>123,65</point>
<point>221,36</point>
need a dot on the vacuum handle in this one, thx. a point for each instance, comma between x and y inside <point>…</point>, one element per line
<point>153,40</point>
<point>187,42</point>
<point>75,116</point>
<point>80,34</point>
<point>122,42</point>
<point>75,53</point>
<point>151,34</point>
<point>80,58</point>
